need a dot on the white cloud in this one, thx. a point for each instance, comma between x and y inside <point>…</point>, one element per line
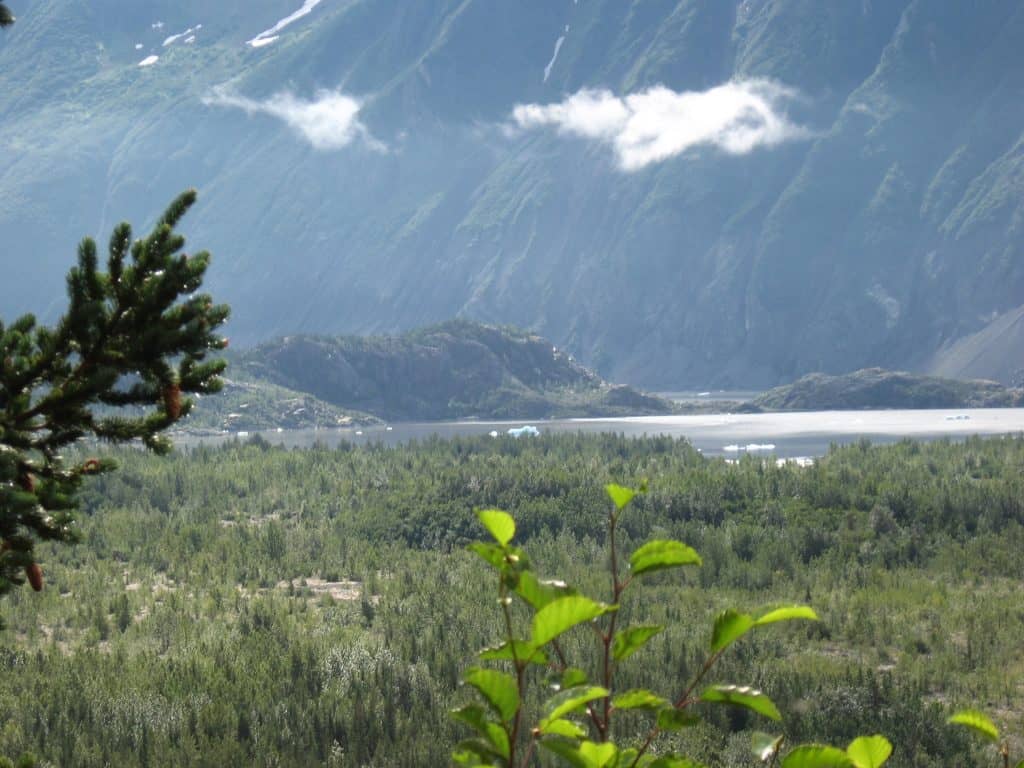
<point>659,123</point>
<point>329,121</point>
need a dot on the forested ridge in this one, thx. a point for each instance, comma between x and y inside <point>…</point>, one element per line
<point>252,605</point>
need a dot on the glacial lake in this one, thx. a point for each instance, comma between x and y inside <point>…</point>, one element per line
<point>783,435</point>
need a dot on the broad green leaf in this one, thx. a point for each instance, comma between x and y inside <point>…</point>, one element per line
<point>742,696</point>
<point>787,613</point>
<point>498,688</point>
<point>764,745</point>
<point>672,719</point>
<point>563,614</point>
<point>490,553</point>
<point>658,554</point>
<point>524,651</point>
<point>572,677</point>
<point>1020,764</point>
<point>817,756</point>
<point>869,751</point>
<point>500,524</point>
<point>598,755</point>
<point>730,626</point>
<point>476,717</point>
<point>563,727</point>
<point>620,494</point>
<point>539,593</point>
<point>632,639</point>
<point>639,698</point>
<point>570,701</point>
<point>567,750</point>
<point>976,721</point>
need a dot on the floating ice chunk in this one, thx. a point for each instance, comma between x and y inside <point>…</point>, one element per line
<point>149,61</point>
<point>389,429</point>
<point>243,434</point>
<point>703,394</point>
<point>268,36</point>
<point>493,433</point>
<point>526,430</point>
<point>359,431</point>
<point>760,447</point>
<point>138,46</point>
<point>157,25</point>
<point>957,417</point>
<point>731,448</point>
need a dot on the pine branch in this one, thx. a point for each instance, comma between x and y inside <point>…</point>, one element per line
<point>134,336</point>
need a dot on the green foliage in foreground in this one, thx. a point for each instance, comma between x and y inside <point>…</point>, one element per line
<point>247,605</point>
<point>980,723</point>
<point>576,723</point>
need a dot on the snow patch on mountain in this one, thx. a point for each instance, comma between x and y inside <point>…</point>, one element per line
<point>173,38</point>
<point>149,61</point>
<point>554,56</point>
<point>267,36</point>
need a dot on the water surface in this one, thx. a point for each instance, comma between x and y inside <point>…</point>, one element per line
<point>785,435</point>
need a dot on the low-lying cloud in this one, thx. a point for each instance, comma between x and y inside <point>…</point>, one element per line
<point>659,123</point>
<point>328,121</point>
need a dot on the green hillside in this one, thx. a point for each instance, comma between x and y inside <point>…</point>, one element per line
<point>877,388</point>
<point>455,370</point>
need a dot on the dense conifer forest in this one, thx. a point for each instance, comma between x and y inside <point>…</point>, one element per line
<point>248,604</point>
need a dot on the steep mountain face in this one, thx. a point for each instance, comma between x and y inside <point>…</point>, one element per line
<point>679,192</point>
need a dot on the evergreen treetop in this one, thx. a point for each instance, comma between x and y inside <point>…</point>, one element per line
<point>115,367</point>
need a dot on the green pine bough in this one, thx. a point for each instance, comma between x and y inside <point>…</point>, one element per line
<point>115,367</point>
<point>575,725</point>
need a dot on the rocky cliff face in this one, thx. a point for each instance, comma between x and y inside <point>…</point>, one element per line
<point>679,192</point>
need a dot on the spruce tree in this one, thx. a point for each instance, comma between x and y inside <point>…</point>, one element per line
<point>6,17</point>
<point>114,368</point>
